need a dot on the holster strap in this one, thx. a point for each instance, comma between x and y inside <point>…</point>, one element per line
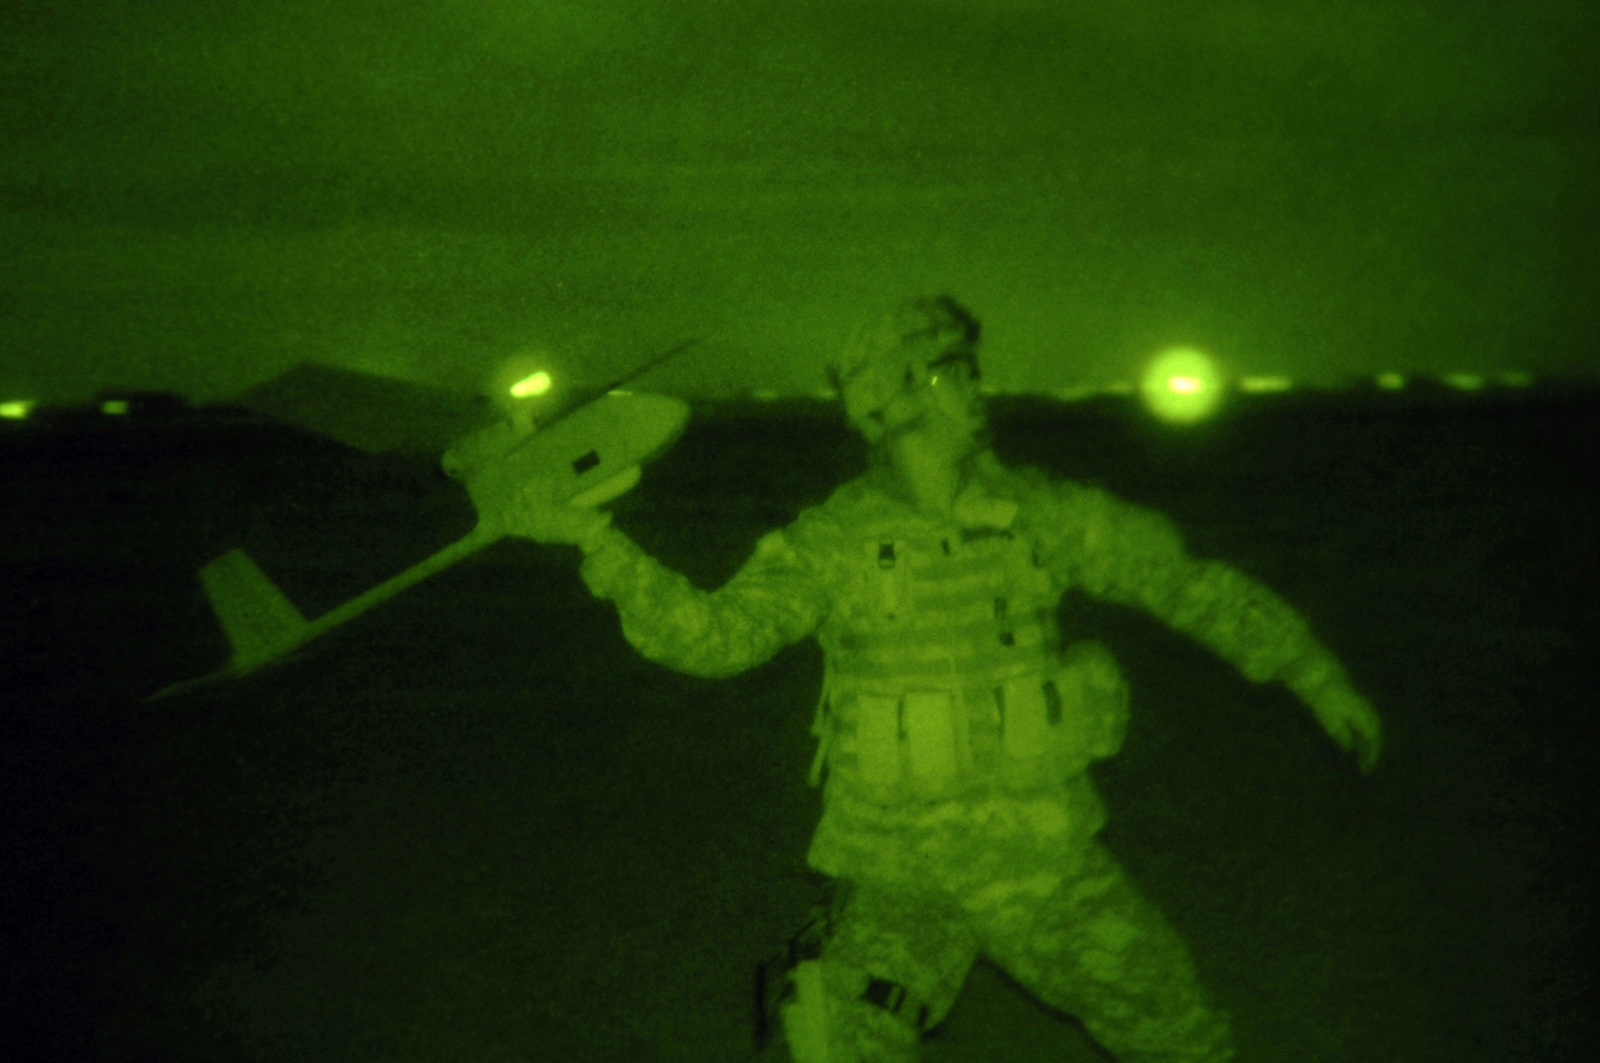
<point>893,998</point>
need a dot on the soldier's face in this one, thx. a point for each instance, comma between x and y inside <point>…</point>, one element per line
<point>938,415</point>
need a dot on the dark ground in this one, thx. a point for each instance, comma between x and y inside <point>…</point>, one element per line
<point>473,825</point>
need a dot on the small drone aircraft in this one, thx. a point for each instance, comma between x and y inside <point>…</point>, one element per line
<point>584,455</point>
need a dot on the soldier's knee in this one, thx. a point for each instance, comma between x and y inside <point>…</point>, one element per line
<point>1212,1038</point>
<point>1202,1036</point>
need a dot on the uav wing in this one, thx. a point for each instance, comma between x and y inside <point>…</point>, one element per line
<point>377,414</point>
<point>588,454</point>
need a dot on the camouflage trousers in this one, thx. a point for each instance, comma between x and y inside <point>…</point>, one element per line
<point>1090,945</point>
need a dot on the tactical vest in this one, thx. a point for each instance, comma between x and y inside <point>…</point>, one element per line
<point>945,677</point>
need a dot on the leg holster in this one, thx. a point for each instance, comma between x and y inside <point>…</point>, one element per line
<point>816,1022</point>
<point>819,1003</point>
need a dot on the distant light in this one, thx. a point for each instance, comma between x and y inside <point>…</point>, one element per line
<point>826,394</point>
<point>1464,381</point>
<point>764,395</point>
<point>1181,386</point>
<point>1121,387</point>
<point>1515,380</point>
<point>1391,381</point>
<point>1261,385</point>
<point>17,409</point>
<point>531,385</point>
<point>114,407</point>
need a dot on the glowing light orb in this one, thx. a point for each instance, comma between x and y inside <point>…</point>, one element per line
<point>114,408</point>
<point>533,384</point>
<point>524,386</point>
<point>17,410</point>
<point>1181,386</point>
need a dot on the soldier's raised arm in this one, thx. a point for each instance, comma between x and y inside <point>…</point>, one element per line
<point>777,597</point>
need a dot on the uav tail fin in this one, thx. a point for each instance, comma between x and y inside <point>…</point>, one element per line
<point>259,621</point>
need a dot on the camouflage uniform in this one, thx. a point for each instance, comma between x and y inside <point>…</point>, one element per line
<point>955,733</point>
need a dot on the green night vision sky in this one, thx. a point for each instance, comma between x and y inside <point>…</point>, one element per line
<point>198,195</point>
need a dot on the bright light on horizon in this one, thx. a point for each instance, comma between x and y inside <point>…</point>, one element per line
<point>1181,386</point>
<point>1263,385</point>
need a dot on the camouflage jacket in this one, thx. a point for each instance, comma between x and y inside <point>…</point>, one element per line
<point>855,571</point>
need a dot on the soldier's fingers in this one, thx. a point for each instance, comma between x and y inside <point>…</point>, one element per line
<point>1367,756</point>
<point>1341,735</point>
<point>1372,747</point>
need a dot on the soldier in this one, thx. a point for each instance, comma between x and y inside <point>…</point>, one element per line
<point>954,729</point>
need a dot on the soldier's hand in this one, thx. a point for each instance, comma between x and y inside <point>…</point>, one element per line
<point>1351,722</point>
<point>532,514</point>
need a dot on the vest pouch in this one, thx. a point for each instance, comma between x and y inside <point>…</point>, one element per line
<point>1025,717</point>
<point>887,575</point>
<point>1094,697</point>
<point>877,745</point>
<point>930,735</point>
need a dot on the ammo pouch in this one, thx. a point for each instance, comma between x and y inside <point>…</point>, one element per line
<point>1032,728</point>
<point>1076,715</point>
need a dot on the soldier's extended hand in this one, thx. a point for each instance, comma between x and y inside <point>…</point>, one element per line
<point>1351,722</point>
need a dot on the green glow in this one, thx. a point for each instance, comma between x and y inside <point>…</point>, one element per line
<point>114,407</point>
<point>1181,386</point>
<point>1516,380</point>
<point>1391,381</point>
<point>532,384</point>
<point>764,395</point>
<point>1260,385</point>
<point>18,409</point>
<point>1464,381</point>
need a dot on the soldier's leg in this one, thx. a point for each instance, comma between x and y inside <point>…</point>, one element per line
<point>1100,951</point>
<point>890,969</point>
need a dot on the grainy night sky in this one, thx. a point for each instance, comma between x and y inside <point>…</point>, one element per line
<point>198,195</point>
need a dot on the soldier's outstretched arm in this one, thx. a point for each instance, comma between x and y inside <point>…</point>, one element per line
<point>1124,553</point>
<point>777,597</point>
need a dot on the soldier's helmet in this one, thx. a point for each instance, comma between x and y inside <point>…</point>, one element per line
<point>895,353</point>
